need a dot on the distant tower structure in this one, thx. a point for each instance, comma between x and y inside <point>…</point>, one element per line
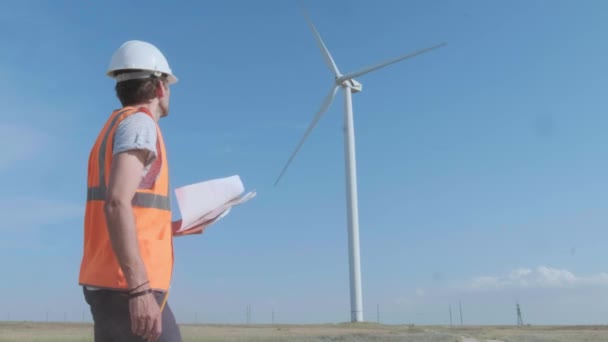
<point>520,321</point>
<point>450,314</point>
<point>460,306</point>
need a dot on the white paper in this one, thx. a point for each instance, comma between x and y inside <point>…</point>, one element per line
<point>209,201</point>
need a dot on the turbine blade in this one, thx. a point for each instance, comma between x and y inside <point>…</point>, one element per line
<point>326,55</point>
<point>324,106</point>
<point>382,65</point>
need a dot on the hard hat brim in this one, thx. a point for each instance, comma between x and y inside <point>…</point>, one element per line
<point>172,79</point>
<point>140,75</point>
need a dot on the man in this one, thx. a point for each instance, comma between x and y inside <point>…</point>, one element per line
<point>127,262</point>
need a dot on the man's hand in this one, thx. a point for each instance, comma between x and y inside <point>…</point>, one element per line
<point>146,318</point>
<point>175,225</point>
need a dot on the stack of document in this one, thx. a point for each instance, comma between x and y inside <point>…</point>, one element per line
<point>202,204</point>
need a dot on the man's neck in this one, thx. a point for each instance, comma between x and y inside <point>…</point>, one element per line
<point>153,108</point>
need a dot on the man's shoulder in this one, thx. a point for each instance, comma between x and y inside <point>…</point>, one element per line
<point>138,119</point>
<point>136,131</point>
<point>137,125</point>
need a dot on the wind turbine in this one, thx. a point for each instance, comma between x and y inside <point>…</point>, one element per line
<point>349,85</point>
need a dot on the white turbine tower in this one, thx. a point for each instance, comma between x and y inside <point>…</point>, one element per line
<point>349,85</point>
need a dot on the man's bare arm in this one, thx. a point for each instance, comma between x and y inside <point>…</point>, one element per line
<point>125,177</point>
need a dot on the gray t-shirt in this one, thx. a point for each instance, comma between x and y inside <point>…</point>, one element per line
<point>137,131</point>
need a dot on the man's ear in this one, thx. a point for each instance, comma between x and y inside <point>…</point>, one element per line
<point>160,90</point>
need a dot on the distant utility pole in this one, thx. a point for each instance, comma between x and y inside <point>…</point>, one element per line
<point>273,316</point>
<point>378,310</point>
<point>460,305</point>
<point>450,314</point>
<point>520,321</point>
<point>248,314</point>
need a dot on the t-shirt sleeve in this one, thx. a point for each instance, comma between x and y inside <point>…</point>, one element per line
<point>136,132</point>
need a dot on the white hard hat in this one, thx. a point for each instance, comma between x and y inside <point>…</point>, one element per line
<point>135,54</point>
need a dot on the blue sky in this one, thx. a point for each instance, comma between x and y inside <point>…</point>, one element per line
<point>482,166</point>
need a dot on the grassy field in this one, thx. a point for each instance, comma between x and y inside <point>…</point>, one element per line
<point>366,332</point>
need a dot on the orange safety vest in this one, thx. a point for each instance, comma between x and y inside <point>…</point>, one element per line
<point>151,209</point>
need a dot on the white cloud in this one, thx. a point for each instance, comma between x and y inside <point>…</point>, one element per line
<point>541,277</point>
<point>19,142</point>
<point>403,301</point>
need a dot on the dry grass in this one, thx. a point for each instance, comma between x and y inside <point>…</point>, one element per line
<point>365,332</point>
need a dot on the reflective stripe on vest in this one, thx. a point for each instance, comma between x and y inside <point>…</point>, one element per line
<point>140,199</point>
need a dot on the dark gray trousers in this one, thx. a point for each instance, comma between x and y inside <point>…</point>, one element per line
<point>110,310</point>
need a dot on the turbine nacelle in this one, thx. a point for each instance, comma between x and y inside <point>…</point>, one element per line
<point>355,87</point>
